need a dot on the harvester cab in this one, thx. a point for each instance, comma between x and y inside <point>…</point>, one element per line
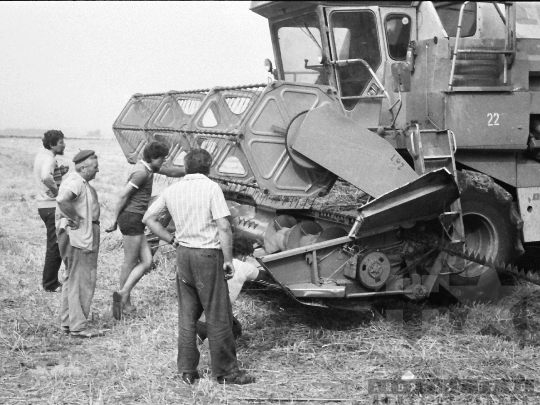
<point>351,171</point>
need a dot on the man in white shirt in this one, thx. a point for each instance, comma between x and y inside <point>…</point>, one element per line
<point>204,256</point>
<point>47,177</point>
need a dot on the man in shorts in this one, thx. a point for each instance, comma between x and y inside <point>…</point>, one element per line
<point>128,215</point>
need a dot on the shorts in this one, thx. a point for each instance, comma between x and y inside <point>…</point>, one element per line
<point>131,224</point>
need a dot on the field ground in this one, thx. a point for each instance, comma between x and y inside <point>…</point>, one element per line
<point>298,354</point>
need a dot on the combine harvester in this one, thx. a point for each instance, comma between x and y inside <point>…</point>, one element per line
<point>427,112</point>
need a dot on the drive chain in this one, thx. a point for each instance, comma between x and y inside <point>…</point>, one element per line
<point>530,275</point>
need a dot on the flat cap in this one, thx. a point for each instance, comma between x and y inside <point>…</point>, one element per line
<point>83,155</point>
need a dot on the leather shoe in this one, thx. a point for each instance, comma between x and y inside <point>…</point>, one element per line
<point>189,378</point>
<point>240,378</point>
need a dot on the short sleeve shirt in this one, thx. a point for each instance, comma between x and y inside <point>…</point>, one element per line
<point>243,272</point>
<point>195,203</point>
<point>45,165</point>
<point>86,205</point>
<point>141,177</point>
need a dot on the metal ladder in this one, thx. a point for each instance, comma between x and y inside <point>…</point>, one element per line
<point>509,51</point>
<point>431,150</point>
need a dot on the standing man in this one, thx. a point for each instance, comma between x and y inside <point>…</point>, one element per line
<point>48,176</point>
<point>128,215</point>
<point>204,255</point>
<point>77,225</point>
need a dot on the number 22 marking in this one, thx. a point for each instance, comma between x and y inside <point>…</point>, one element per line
<point>493,119</point>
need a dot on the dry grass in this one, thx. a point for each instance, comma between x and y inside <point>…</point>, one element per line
<point>296,352</point>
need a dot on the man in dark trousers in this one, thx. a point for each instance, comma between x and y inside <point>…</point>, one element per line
<point>204,255</point>
<point>47,177</point>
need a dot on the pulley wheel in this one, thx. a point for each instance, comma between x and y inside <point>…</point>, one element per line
<point>373,270</point>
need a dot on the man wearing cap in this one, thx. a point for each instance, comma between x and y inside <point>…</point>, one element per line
<point>48,176</point>
<point>77,227</point>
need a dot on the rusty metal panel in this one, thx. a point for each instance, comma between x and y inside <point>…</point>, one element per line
<point>498,120</point>
<point>354,153</point>
<point>529,208</point>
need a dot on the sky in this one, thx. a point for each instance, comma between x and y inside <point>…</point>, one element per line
<point>74,65</point>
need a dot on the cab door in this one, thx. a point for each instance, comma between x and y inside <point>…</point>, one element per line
<point>358,33</point>
<point>399,28</point>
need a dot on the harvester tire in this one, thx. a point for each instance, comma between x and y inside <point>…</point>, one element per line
<point>492,227</point>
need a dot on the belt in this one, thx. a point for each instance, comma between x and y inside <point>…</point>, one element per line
<point>96,222</point>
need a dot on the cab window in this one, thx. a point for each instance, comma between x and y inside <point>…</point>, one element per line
<point>300,48</point>
<point>448,12</point>
<point>398,35</point>
<point>355,37</point>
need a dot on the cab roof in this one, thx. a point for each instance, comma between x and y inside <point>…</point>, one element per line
<point>270,9</point>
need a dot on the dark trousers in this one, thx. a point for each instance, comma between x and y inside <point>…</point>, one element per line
<point>202,330</point>
<point>52,255</point>
<point>202,287</point>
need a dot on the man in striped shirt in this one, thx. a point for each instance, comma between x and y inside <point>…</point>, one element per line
<point>47,177</point>
<point>204,255</point>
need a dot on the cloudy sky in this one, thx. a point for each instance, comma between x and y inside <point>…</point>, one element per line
<point>74,65</point>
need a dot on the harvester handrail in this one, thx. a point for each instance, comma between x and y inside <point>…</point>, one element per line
<point>371,72</point>
<point>456,45</point>
<point>505,51</point>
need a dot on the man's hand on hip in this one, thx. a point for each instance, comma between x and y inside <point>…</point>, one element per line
<point>112,228</point>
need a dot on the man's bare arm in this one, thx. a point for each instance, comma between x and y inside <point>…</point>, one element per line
<point>225,240</point>
<point>126,193</point>
<point>151,221</point>
<point>172,171</point>
<point>65,203</point>
<point>169,168</point>
<point>48,180</point>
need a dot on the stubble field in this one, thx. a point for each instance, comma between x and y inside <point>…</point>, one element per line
<point>298,354</point>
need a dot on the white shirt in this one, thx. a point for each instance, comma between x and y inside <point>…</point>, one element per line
<point>242,272</point>
<point>46,166</point>
<point>86,205</point>
<point>194,202</point>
